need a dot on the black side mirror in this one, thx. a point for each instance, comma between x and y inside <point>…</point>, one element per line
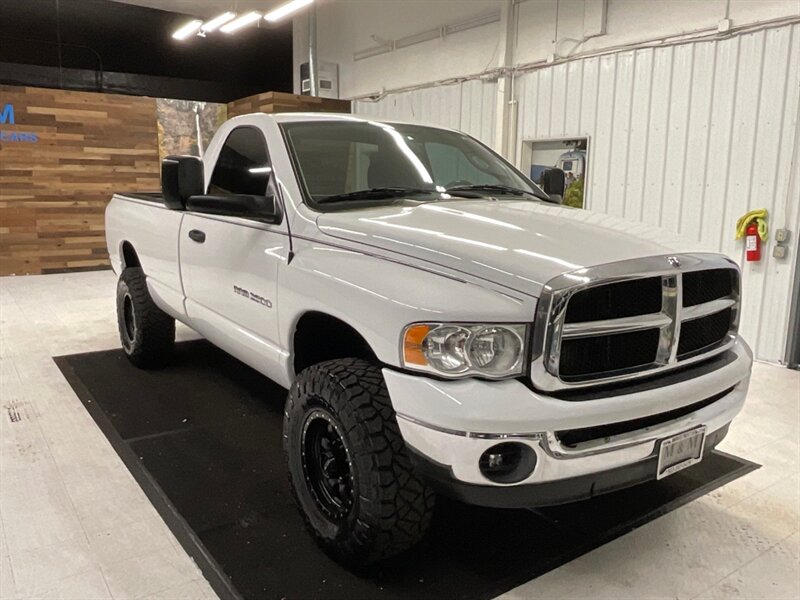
<point>258,208</point>
<point>181,177</point>
<point>553,183</point>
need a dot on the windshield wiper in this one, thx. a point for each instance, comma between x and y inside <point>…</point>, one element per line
<point>380,193</point>
<point>503,189</point>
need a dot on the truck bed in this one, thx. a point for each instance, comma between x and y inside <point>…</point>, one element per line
<point>156,197</point>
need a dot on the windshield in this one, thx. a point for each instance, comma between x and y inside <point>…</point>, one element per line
<point>336,159</point>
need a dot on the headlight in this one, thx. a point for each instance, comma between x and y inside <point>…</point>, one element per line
<point>462,349</point>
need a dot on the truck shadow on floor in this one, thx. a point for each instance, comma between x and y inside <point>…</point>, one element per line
<point>203,439</point>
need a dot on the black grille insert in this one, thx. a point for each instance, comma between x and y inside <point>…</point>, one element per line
<point>615,300</point>
<point>581,358</point>
<point>703,333</point>
<point>705,286</point>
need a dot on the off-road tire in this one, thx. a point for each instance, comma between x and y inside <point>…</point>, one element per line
<point>391,507</point>
<point>146,332</point>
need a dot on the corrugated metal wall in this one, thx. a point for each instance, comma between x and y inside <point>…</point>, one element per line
<point>686,137</point>
<point>469,106</point>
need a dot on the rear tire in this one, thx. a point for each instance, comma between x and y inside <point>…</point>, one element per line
<point>348,466</point>
<point>147,333</point>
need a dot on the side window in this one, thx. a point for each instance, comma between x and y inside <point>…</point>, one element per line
<point>242,166</point>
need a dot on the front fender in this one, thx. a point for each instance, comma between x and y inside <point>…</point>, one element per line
<point>378,297</point>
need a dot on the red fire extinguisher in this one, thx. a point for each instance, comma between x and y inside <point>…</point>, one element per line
<point>752,243</point>
<point>753,228</point>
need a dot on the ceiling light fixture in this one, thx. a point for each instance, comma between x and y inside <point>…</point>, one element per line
<point>214,23</point>
<point>187,30</point>
<point>286,9</point>
<point>242,21</point>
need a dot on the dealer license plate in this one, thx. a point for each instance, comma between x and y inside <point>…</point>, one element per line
<point>680,451</point>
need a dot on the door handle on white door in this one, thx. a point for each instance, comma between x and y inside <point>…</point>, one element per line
<point>197,235</point>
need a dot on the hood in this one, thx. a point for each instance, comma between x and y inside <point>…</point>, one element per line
<point>518,244</point>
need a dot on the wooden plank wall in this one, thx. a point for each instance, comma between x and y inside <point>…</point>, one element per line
<point>274,102</point>
<point>53,192</point>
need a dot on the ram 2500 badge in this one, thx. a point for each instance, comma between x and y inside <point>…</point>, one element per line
<point>442,325</point>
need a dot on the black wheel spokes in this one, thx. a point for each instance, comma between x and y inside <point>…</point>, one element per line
<point>335,469</point>
<point>326,466</point>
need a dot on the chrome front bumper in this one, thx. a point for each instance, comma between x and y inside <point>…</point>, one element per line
<point>452,423</point>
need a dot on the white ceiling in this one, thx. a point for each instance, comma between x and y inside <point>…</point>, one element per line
<point>206,8</point>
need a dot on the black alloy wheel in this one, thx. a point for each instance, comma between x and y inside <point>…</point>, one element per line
<point>327,465</point>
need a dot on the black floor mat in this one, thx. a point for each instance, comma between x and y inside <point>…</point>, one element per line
<point>203,439</point>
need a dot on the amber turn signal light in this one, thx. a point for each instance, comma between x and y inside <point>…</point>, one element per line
<point>412,344</point>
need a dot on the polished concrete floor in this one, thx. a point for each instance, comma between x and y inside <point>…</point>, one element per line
<point>75,525</point>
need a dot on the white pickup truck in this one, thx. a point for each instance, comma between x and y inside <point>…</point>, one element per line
<point>442,325</point>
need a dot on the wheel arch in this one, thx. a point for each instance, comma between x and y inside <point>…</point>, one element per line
<point>318,336</point>
<point>128,256</point>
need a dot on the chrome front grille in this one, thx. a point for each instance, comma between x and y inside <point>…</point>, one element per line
<point>634,318</point>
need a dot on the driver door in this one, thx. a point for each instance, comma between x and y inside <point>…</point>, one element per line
<point>229,264</point>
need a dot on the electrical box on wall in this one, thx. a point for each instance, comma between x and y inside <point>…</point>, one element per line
<point>327,76</point>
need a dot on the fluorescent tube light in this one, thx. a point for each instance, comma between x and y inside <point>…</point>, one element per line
<point>187,30</point>
<point>286,9</point>
<point>237,24</point>
<point>214,23</point>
